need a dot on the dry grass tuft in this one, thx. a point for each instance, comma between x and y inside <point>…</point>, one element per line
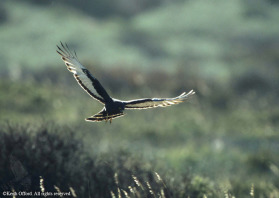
<point>42,184</point>
<point>139,189</point>
<point>252,190</point>
<point>73,192</point>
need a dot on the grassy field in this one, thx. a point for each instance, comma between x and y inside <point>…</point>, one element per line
<point>199,149</point>
<point>223,142</point>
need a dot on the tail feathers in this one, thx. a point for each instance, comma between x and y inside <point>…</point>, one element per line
<point>104,116</point>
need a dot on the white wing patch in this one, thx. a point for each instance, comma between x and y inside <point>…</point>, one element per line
<point>147,103</point>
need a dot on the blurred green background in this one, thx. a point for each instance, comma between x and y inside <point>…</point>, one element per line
<point>223,142</point>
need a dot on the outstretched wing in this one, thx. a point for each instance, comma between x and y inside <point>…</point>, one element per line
<point>84,78</point>
<point>146,103</point>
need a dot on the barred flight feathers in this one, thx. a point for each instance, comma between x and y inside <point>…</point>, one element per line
<point>113,107</point>
<point>147,103</point>
<point>85,79</point>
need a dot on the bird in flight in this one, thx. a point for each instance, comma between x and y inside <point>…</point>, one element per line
<point>113,107</point>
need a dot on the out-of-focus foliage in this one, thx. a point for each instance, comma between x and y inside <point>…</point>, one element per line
<point>106,8</point>
<point>222,142</point>
<point>195,35</point>
<point>221,129</point>
<point>29,154</point>
<point>3,13</point>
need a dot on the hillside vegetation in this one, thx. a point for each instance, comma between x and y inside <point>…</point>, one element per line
<point>223,142</point>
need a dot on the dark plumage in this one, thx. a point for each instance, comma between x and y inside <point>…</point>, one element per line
<point>113,108</point>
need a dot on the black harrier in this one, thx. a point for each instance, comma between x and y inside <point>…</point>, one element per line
<point>113,108</point>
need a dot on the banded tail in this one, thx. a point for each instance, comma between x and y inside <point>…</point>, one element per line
<point>104,116</point>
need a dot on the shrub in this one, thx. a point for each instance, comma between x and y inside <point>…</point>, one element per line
<point>52,159</point>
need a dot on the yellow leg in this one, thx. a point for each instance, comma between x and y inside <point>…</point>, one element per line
<point>106,118</point>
